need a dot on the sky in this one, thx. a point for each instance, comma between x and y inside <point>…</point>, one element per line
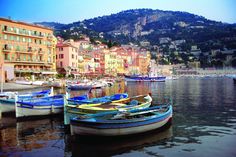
<point>67,11</point>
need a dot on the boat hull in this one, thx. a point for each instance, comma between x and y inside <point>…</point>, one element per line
<point>144,79</point>
<point>7,105</point>
<point>79,87</point>
<point>37,111</point>
<point>94,127</point>
<point>117,132</point>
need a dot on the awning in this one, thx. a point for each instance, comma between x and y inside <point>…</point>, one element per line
<point>49,72</point>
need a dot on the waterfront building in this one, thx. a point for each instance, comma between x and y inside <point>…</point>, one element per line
<point>110,63</point>
<point>89,64</point>
<point>120,59</point>
<point>143,64</point>
<point>67,57</point>
<point>26,49</point>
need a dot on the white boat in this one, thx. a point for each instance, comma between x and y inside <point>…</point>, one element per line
<point>7,99</point>
<point>44,106</point>
<point>38,83</point>
<point>25,82</point>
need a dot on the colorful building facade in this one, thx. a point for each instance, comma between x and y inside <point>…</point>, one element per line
<point>26,50</point>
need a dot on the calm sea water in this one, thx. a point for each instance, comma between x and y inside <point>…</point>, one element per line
<point>204,124</point>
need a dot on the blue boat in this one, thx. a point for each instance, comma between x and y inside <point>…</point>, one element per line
<point>121,123</point>
<point>41,106</point>
<point>71,105</point>
<point>7,99</point>
<point>79,87</point>
<point>85,100</point>
<point>138,78</point>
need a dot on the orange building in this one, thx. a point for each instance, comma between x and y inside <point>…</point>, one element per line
<point>26,49</point>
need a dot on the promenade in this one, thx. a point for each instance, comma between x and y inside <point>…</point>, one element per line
<point>17,87</point>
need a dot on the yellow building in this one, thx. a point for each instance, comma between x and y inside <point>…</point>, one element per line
<point>111,65</point>
<point>26,49</point>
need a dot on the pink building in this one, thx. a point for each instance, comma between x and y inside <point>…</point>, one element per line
<point>66,57</point>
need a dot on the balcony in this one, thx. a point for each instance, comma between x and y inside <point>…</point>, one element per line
<point>40,52</point>
<point>22,34</point>
<point>50,37</point>
<point>23,61</point>
<point>48,64</point>
<point>7,50</point>
<point>24,51</point>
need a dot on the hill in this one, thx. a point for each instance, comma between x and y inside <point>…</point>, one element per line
<point>147,25</point>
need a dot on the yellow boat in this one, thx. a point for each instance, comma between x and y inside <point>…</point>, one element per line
<point>136,102</point>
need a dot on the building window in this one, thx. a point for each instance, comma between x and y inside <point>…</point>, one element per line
<point>61,55</point>
<point>17,38</point>
<point>5,28</point>
<point>23,39</point>
<point>5,36</point>
<point>24,31</point>
<point>61,64</point>
<point>6,57</point>
<point>72,56</point>
<point>17,48</point>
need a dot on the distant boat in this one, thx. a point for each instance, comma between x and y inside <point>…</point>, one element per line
<point>39,107</point>
<point>7,99</point>
<point>122,123</point>
<point>139,78</point>
<point>24,82</point>
<point>79,86</point>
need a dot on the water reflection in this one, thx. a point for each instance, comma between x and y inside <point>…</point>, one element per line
<point>28,136</point>
<point>204,124</point>
<point>90,146</point>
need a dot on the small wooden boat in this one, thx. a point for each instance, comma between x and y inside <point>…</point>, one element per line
<point>71,105</point>
<point>7,99</point>
<point>38,107</point>
<point>137,102</point>
<point>122,123</point>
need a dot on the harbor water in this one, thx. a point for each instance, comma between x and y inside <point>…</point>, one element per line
<point>203,124</point>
